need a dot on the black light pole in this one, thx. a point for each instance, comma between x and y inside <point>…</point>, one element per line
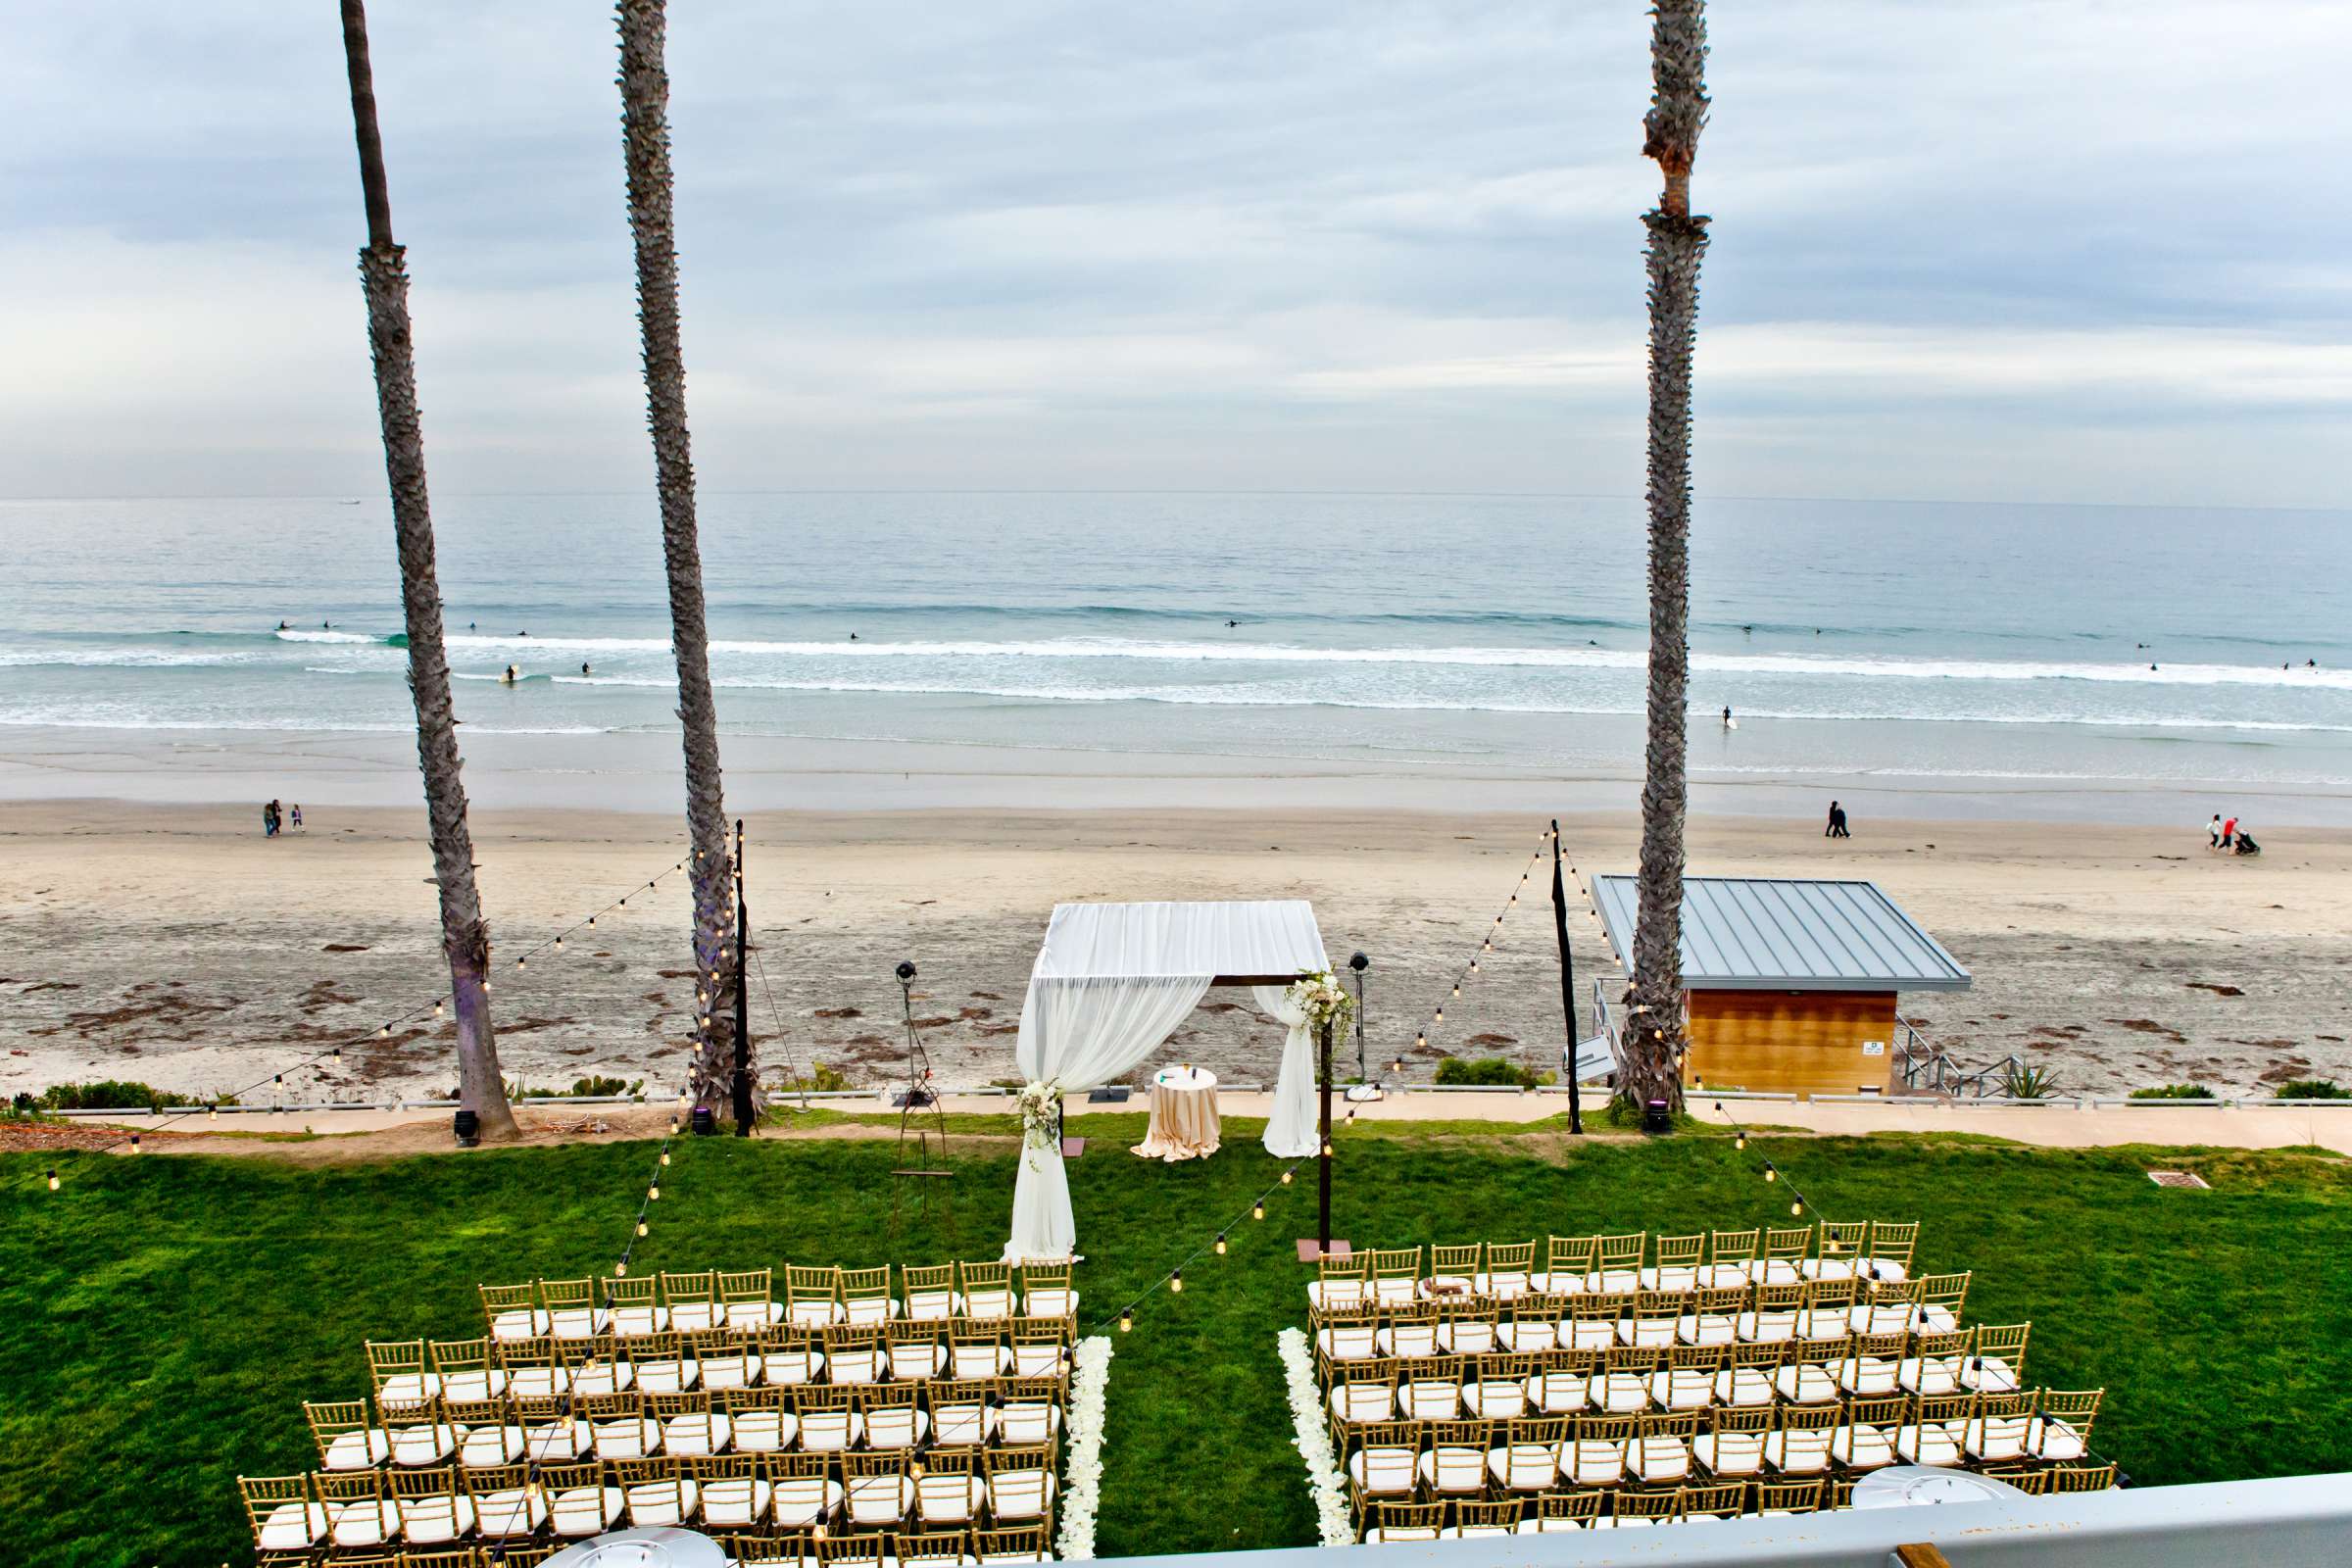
<point>1559,920</point>
<point>743,996</point>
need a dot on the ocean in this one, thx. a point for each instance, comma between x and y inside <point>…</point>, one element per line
<point>1864,640</point>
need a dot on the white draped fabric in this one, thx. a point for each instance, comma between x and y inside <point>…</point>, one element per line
<point>1293,1129</point>
<point>1111,983</point>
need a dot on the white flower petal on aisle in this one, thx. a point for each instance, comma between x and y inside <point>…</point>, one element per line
<point>1324,1481</point>
<point>1081,1484</point>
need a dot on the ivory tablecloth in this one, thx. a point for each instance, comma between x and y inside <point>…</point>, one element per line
<point>1184,1115</point>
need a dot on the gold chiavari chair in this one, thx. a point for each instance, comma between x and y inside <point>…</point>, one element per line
<point>1568,1262</point>
<point>1453,1270</point>
<point>812,1298</point>
<point>1011,1544</point>
<point>1617,1265</point>
<point>2000,1425</point>
<point>512,1311</point>
<point>866,1298</point>
<point>691,1300</point>
<point>1932,1435</point>
<point>1785,1253</point>
<point>853,1354</point>
<point>1731,1449</point>
<point>1727,1500</point>
<point>656,1492</point>
<point>1559,1512</point>
<point>1391,1521</point>
<point>964,1414</point>
<point>1630,1511</point>
<point>1660,1454</point>
<point>1020,1483</point>
<point>1396,1275</point>
<point>581,1500</point>
<point>1047,1290</point>
<point>1866,1437</point>
<point>286,1519</point>
<point>532,1367</point>
<point>1473,1518</point>
<point>1510,1271</point>
<point>2062,1430</point>
<point>949,1493</point>
<point>552,1434</point>
<point>1933,1366</point>
<point>1887,1254</point>
<point>1749,1380</point>
<point>1622,1384</point>
<point>1871,1366</point>
<point>1454,1465</point>
<point>2079,1478</point>
<point>1838,1245</point>
<point>1778,1499</point>
<point>1561,1383</point>
<point>507,1506</point>
<point>360,1516</point>
<point>757,1421</point>
<point>433,1512</point>
<point>1731,1258</point>
<point>398,1372</point>
<point>488,1436</point>
<point>747,1301</point>
<point>1030,1412</point>
<point>618,1426</point>
<point>831,1421</point>
<point>1409,1331</point>
<point>1997,1363</point>
<point>466,1369</point>
<point>1675,1263</point>
<point>347,1439</point>
<point>572,1310</point>
<point>930,1292</point>
<point>636,1306</point>
<point>1799,1443</point>
<point>1527,1459</point>
<point>880,1490</point>
<point>1594,1455</point>
<point>804,1494</point>
<point>987,1289</point>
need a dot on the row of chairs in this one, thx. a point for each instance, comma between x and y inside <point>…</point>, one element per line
<point>813,1299</point>
<point>1456,1519</point>
<point>1628,1380</point>
<point>1723,1315</point>
<point>408,1371</point>
<point>630,1424</point>
<point>1868,1249</point>
<point>1000,1547</point>
<point>369,1510</point>
<point>1436,1459</point>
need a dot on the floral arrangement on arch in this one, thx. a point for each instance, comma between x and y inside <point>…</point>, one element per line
<point>1041,1113</point>
<point>1318,994</point>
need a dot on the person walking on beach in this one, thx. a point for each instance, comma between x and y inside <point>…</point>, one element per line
<point>1836,827</point>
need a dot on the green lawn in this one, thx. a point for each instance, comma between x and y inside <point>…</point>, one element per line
<point>162,1318</point>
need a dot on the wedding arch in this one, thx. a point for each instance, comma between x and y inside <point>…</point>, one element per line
<point>1111,983</point>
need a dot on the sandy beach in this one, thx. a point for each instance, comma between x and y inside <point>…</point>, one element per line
<point>173,944</point>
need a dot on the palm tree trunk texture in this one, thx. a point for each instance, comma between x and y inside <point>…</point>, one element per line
<point>1678,110</point>
<point>645,133</point>
<point>464,938</point>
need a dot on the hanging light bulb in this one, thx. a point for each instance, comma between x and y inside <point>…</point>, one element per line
<point>1220,1243</point>
<point>1176,1282</point>
<point>1127,1322</point>
<point>1257,1211</point>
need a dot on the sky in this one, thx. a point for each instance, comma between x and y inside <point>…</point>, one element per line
<point>2077,252</point>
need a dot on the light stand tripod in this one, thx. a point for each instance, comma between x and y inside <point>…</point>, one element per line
<point>922,1094</point>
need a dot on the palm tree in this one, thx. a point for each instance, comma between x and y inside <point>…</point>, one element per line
<point>645,137</point>
<point>1678,109</point>
<point>383,269</point>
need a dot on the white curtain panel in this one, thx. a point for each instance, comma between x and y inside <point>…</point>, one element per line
<point>1292,1130</point>
<point>1111,982</point>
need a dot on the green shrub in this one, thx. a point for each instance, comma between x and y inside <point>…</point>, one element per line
<point>2173,1092</point>
<point>2314,1089</point>
<point>113,1094</point>
<point>1496,1070</point>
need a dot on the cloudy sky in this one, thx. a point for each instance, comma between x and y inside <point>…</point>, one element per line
<point>2091,251</point>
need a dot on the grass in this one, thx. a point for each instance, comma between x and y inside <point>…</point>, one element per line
<point>162,1318</point>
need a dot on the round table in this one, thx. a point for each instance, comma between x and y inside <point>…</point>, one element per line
<point>1908,1485</point>
<point>1184,1115</point>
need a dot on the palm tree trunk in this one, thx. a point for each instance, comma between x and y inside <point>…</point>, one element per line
<point>464,938</point>
<point>645,133</point>
<point>1678,110</point>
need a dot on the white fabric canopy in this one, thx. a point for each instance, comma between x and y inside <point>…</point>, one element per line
<point>1111,983</point>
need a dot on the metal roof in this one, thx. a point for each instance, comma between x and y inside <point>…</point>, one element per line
<point>1788,934</point>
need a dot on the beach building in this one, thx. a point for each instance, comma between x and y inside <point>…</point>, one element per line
<point>1790,984</point>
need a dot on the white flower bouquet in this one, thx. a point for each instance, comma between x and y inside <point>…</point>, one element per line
<point>1081,1480</point>
<point>1335,1526</point>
